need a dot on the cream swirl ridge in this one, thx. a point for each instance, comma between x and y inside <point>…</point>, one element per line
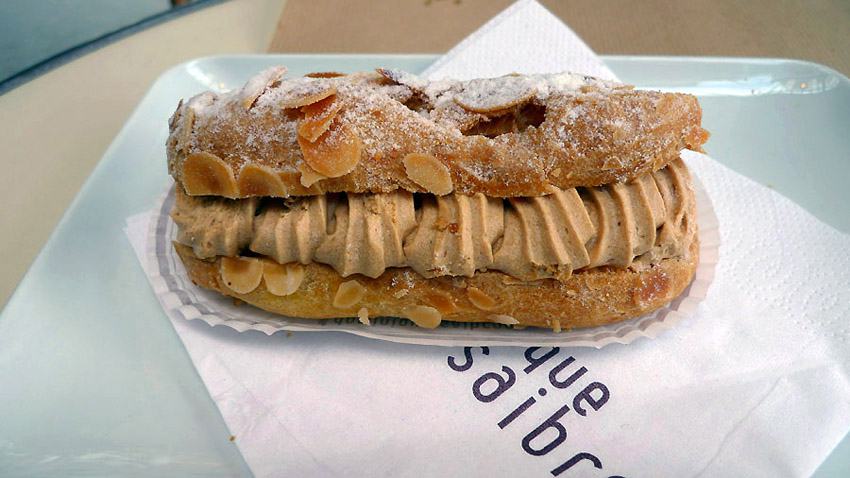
<point>454,235</point>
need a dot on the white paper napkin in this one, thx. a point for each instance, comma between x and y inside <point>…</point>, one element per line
<point>524,38</point>
<point>754,384</point>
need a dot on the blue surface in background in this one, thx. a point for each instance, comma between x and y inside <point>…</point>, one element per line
<point>37,36</point>
<point>33,31</point>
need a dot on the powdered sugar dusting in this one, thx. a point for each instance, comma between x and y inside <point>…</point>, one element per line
<point>257,85</point>
<point>594,131</point>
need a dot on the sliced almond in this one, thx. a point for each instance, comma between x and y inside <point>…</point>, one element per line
<point>303,93</point>
<point>480,299</point>
<point>258,180</point>
<point>257,85</point>
<point>508,280</point>
<point>393,75</point>
<point>324,74</point>
<point>428,172</point>
<point>292,180</point>
<point>185,125</point>
<point>175,117</point>
<point>363,316</point>
<point>401,77</point>
<point>282,279</point>
<point>490,95</point>
<point>308,176</point>
<point>502,319</point>
<point>349,294</point>
<point>317,118</point>
<point>241,274</point>
<point>424,316</point>
<point>206,174</point>
<point>444,304</point>
<point>334,153</point>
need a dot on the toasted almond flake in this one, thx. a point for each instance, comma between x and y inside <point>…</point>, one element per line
<point>480,299</point>
<point>502,319</point>
<point>444,304</point>
<point>282,279</point>
<point>308,176</point>
<point>403,78</point>
<point>303,94</point>
<point>349,294</point>
<point>292,180</point>
<point>335,153</point>
<point>257,85</point>
<point>324,74</point>
<point>175,117</point>
<point>317,118</point>
<point>424,316</point>
<point>428,172</point>
<point>393,75</point>
<point>509,280</point>
<point>258,180</point>
<point>241,274</point>
<point>363,316</point>
<point>490,95</point>
<point>185,124</point>
<point>206,174</point>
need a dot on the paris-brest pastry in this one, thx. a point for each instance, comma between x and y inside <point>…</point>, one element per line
<point>554,201</point>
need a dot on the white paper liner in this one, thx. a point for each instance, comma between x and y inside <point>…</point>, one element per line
<point>181,298</point>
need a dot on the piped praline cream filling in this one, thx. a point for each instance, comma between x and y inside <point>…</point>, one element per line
<point>530,238</point>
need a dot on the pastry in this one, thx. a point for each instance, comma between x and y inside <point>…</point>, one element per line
<point>553,201</point>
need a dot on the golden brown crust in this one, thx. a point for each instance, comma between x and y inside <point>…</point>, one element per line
<point>588,298</point>
<point>506,137</point>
